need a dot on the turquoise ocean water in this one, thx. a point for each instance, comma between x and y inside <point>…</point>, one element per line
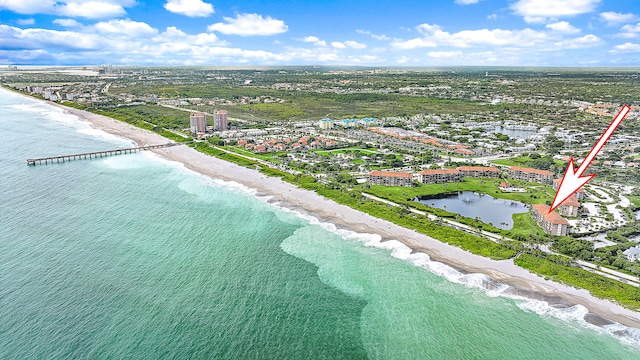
<point>135,257</point>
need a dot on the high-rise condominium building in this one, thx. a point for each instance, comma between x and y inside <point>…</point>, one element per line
<point>220,120</point>
<point>198,123</point>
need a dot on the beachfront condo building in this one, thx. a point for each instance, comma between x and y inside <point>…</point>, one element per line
<point>198,123</point>
<point>220,120</point>
<point>391,178</point>
<point>552,223</point>
<point>439,176</point>
<point>531,175</point>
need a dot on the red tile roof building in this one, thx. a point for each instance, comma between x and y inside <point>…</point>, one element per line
<point>569,207</point>
<point>531,175</point>
<point>439,176</point>
<point>391,178</point>
<point>478,171</point>
<point>552,223</point>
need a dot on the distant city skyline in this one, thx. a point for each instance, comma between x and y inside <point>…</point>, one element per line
<point>272,33</point>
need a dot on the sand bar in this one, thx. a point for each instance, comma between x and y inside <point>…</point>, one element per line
<point>522,281</point>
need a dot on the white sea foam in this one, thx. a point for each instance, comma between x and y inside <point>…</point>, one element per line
<point>61,116</point>
<point>492,288</point>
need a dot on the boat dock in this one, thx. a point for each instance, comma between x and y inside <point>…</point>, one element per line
<point>95,154</point>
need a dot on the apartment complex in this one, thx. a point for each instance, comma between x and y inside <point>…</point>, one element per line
<point>439,176</point>
<point>391,178</point>
<point>552,223</point>
<point>198,123</point>
<point>478,171</point>
<point>531,175</point>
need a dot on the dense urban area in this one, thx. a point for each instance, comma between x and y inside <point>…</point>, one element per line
<point>430,149</point>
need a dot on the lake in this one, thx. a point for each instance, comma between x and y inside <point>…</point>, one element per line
<point>470,204</point>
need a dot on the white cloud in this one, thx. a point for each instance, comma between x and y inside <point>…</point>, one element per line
<point>413,44</point>
<point>540,10</point>
<point>66,22</point>
<point>402,59</point>
<point>579,43</point>
<point>191,8</point>
<point>626,47</point>
<point>433,36</point>
<point>380,37</point>
<point>125,27</point>
<point>466,2</point>
<point>29,21</point>
<point>348,44</point>
<point>92,9</point>
<point>355,44</point>
<point>563,27</point>
<point>338,45</point>
<point>30,39</point>
<point>614,18</point>
<point>630,31</point>
<point>492,17</point>
<point>248,25</point>
<point>315,40</point>
<point>444,54</point>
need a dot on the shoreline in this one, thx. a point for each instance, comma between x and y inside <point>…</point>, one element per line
<point>520,281</point>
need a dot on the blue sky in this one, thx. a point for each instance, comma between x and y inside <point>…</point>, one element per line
<point>329,32</point>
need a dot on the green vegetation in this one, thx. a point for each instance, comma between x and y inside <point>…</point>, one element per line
<point>421,224</point>
<point>536,161</point>
<point>560,269</point>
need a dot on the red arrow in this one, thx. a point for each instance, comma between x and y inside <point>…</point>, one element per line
<point>573,180</point>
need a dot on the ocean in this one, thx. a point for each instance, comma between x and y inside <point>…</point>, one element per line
<point>136,257</point>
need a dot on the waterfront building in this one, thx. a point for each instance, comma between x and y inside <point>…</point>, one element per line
<point>198,123</point>
<point>551,222</point>
<point>220,120</point>
<point>531,175</point>
<point>478,171</point>
<point>439,176</point>
<point>391,178</point>
<point>569,207</point>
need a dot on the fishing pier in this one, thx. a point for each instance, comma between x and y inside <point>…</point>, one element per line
<point>95,154</point>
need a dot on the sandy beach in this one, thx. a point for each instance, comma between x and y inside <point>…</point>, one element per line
<point>288,195</point>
